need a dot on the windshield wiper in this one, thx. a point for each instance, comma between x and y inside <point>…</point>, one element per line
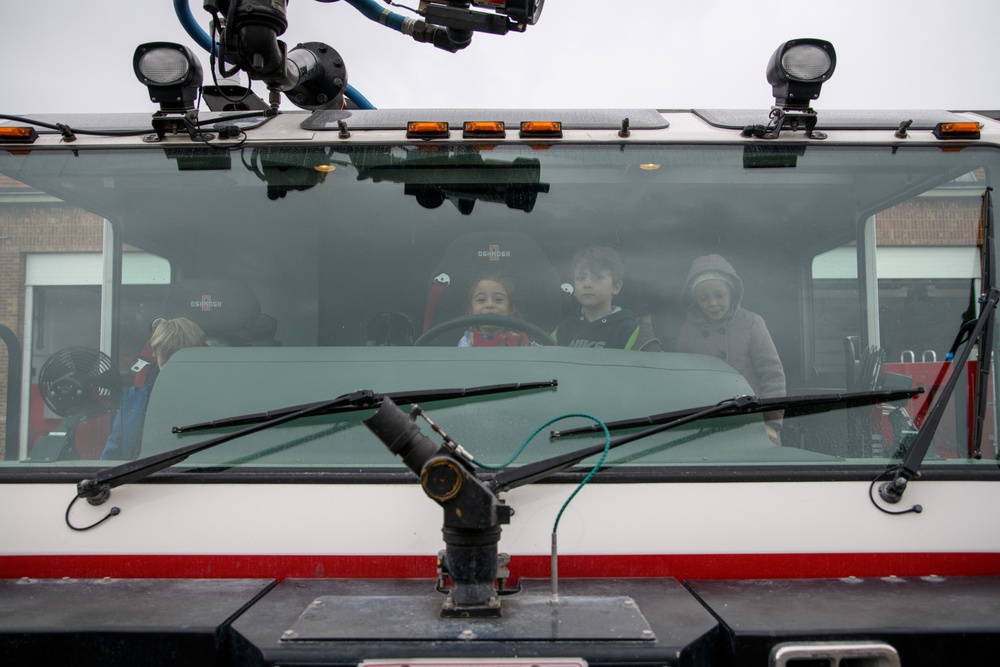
<point>398,397</point>
<point>985,356</point>
<point>97,489</point>
<point>533,472</point>
<point>981,336</point>
<point>803,405</point>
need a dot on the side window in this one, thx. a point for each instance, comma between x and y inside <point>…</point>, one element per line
<point>836,308</point>
<point>67,335</point>
<point>929,268</point>
<point>922,261</point>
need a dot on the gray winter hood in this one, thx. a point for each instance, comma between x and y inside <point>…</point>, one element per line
<point>708,267</point>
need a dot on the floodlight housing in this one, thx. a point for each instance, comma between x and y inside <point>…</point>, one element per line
<point>797,70</point>
<point>172,74</point>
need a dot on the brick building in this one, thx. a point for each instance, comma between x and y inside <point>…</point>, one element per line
<point>32,222</point>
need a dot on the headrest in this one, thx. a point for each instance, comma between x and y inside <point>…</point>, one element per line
<point>513,256</point>
<point>222,308</point>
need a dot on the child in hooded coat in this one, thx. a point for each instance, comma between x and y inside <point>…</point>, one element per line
<point>718,326</point>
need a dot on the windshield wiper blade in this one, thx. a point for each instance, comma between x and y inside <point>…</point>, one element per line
<point>514,477</point>
<point>793,406</point>
<point>532,472</point>
<point>98,489</point>
<point>398,397</point>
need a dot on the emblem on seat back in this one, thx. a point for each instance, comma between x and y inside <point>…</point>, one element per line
<point>494,253</point>
<point>206,304</point>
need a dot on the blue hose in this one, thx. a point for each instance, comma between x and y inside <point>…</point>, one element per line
<point>360,100</point>
<point>377,12</point>
<point>183,11</point>
<point>202,38</point>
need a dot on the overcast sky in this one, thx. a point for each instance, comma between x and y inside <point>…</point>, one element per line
<point>61,55</point>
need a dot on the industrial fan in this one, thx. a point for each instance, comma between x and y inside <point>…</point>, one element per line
<point>76,383</point>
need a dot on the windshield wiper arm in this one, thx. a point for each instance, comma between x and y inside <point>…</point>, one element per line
<point>398,397</point>
<point>803,405</point>
<point>985,356</point>
<point>533,472</point>
<point>98,489</point>
<point>892,491</point>
<point>981,335</point>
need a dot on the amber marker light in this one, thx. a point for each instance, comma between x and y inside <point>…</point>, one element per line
<point>963,130</point>
<point>649,166</point>
<point>325,168</point>
<point>486,129</point>
<point>427,130</point>
<point>18,135</point>
<point>543,129</point>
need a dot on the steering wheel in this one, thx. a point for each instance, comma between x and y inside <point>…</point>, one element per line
<point>535,332</point>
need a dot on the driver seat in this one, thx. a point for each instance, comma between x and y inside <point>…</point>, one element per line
<point>515,257</point>
<point>228,311</point>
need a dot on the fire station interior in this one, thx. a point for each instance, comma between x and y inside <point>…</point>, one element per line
<point>327,262</point>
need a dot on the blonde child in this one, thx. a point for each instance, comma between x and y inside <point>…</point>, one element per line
<point>168,338</point>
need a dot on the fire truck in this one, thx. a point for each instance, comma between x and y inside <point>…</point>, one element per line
<point>336,385</point>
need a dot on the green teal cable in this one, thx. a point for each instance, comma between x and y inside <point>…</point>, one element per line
<point>597,466</point>
<point>593,471</point>
<point>487,466</point>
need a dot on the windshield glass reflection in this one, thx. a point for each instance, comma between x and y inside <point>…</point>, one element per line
<point>643,279</point>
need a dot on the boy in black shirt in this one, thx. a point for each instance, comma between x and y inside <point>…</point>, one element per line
<point>597,279</point>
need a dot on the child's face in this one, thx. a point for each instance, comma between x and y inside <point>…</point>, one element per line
<point>594,288</point>
<point>714,298</point>
<point>490,297</point>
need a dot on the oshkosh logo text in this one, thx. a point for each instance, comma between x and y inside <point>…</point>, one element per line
<point>206,303</point>
<point>494,253</point>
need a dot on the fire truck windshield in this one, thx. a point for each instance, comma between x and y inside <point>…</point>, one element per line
<point>643,279</point>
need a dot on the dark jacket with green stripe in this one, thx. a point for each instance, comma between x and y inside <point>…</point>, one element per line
<point>619,330</point>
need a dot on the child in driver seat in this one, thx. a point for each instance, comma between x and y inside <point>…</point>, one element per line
<point>491,295</point>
